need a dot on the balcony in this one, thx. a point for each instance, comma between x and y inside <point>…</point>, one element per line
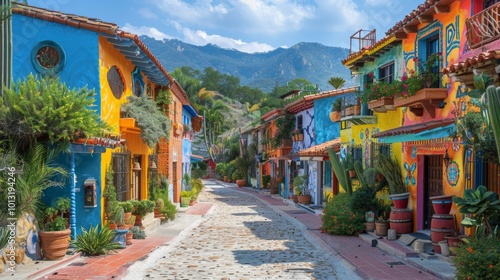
<point>483,27</point>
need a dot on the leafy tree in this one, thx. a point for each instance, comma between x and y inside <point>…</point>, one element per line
<point>153,123</point>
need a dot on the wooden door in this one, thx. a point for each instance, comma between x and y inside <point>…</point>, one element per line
<point>433,184</point>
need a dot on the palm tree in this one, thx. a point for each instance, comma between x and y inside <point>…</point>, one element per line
<point>336,82</point>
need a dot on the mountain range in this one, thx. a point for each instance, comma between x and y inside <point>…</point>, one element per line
<point>312,61</point>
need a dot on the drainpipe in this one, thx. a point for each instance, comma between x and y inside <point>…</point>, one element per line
<point>72,211</point>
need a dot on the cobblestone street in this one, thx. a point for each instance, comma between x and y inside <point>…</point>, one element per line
<point>242,238</point>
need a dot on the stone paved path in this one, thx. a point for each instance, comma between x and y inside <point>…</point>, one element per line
<point>243,238</point>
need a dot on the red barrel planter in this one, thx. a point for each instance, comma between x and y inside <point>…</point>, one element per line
<point>442,204</point>
<point>442,221</point>
<point>441,226</point>
<point>401,220</point>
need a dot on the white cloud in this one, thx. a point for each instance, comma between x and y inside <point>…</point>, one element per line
<point>248,16</point>
<point>145,30</point>
<point>340,15</point>
<point>147,13</point>
<point>201,38</point>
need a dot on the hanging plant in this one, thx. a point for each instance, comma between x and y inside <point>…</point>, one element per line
<point>153,123</point>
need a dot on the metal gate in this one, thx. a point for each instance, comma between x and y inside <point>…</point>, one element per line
<point>433,183</point>
<point>121,178</point>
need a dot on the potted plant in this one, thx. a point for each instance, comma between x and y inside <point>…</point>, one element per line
<point>382,222</point>
<point>116,216</point>
<point>274,185</point>
<point>128,207</point>
<point>159,207</point>
<point>335,113</point>
<point>350,166</point>
<point>398,191</point>
<point>304,196</point>
<point>55,236</point>
<point>185,198</point>
<point>141,209</point>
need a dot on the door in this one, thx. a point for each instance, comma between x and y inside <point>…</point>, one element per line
<point>433,181</point>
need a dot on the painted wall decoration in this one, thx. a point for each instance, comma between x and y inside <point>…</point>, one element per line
<point>453,173</point>
<point>410,169</point>
<point>325,129</point>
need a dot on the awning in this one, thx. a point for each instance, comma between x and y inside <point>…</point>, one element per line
<point>319,151</point>
<point>417,132</point>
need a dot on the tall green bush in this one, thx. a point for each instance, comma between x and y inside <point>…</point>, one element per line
<point>478,259</point>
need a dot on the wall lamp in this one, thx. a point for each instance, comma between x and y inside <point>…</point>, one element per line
<point>446,159</point>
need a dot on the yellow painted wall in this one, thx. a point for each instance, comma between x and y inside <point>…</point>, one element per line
<point>110,109</point>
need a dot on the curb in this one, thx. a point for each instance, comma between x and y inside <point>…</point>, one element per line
<point>54,267</point>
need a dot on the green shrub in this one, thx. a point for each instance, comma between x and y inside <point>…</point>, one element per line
<point>169,210</point>
<point>478,259</point>
<point>94,242</point>
<point>127,206</point>
<point>363,200</point>
<point>338,219</point>
<point>143,207</point>
<point>138,233</point>
<point>265,179</point>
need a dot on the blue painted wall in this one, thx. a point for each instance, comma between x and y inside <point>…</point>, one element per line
<point>325,128</point>
<point>81,69</point>
<point>80,47</point>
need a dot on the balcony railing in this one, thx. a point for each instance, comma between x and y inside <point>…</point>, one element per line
<point>483,27</point>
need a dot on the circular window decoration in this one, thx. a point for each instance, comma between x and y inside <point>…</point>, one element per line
<point>115,82</point>
<point>48,57</point>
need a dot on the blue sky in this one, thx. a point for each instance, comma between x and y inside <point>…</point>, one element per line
<point>246,25</point>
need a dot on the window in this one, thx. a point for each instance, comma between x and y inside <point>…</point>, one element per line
<point>299,121</point>
<point>357,154</point>
<point>432,47</point>
<point>379,148</point>
<point>115,82</point>
<point>386,73</point>
<point>138,83</point>
<point>327,173</point>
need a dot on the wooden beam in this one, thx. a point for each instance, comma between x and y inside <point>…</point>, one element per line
<point>424,19</point>
<point>410,29</point>
<point>400,35</point>
<point>441,9</point>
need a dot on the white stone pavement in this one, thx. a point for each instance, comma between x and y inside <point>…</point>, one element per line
<point>240,238</point>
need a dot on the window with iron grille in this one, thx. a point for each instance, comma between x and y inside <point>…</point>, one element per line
<point>357,153</point>
<point>121,176</point>
<point>386,73</point>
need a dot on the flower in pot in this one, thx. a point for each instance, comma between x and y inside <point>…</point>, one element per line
<point>335,113</point>
<point>398,191</point>
<point>54,238</point>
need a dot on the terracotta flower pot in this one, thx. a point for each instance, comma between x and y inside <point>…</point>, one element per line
<point>128,237</point>
<point>54,243</point>
<point>294,198</point>
<point>381,228</point>
<point>304,199</point>
<point>241,183</point>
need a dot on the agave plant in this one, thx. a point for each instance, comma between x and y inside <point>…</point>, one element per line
<point>96,242</point>
<point>341,171</point>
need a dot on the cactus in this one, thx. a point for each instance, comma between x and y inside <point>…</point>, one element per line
<point>340,171</point>
<point>493,104</point>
